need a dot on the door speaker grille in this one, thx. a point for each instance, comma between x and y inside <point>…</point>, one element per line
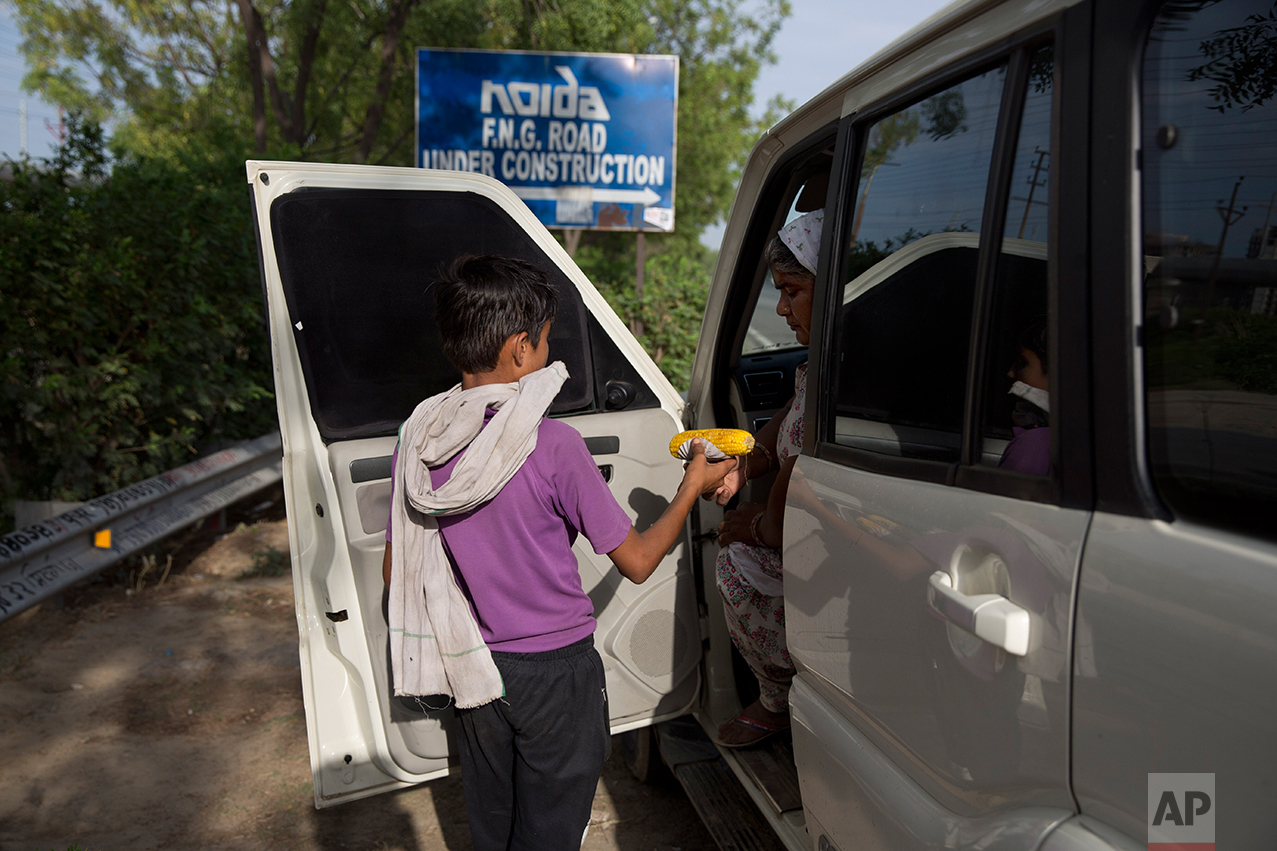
<point>659,643</point>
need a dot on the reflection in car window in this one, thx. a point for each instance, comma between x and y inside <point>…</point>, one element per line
<point>767,330</point>
<point>1016,403</point>
<point>1209,142</point>
<point>904,329</point>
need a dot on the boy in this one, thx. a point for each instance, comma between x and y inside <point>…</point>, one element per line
<point>486,603</point>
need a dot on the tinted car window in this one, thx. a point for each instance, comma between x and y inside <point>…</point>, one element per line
<point>1017,361</point>
<point>1209,142</point>
<point>767,330</point>
<point>904,328</point>
<point>355,266</point>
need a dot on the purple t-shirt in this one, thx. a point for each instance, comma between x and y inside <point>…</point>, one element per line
<point>1029,451</point>
<point>513,555</point>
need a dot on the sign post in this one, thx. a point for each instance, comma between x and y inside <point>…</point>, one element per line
<point>587,140</point>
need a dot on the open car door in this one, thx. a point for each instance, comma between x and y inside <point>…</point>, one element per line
<point>347,253</point>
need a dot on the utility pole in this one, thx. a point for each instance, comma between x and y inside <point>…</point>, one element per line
<point>1230,216</point>
<point>571,241</point>
<point>640,250</point>
<point>22,126</point>
<point>1033,185</point>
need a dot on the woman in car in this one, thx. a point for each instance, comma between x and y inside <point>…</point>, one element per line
<point>748,571</point>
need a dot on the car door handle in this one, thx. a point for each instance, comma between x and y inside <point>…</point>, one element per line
<point>991,617</point>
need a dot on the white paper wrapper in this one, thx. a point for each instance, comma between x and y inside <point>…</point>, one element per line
<point>712,452</point>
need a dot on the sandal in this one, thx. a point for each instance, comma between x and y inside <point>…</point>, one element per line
<point>762,728</point>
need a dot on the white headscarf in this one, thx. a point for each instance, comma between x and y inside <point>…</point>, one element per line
<point>802,236</point>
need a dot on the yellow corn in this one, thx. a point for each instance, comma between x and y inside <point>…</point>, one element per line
<point>731,441</point>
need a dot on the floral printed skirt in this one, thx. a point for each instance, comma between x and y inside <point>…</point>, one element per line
<point>756,623</point>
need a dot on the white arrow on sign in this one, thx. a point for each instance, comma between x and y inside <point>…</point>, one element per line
<point>644,196</point>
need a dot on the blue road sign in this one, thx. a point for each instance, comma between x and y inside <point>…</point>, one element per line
<point>587,140</point>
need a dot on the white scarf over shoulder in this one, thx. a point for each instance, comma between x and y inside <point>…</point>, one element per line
<point>435,643</point>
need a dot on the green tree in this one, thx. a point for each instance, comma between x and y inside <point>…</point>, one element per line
<point>721,51</point>
<point>1241,63</point>
<point>945,115</point>
<point>133,332</point>
<point>299,78</point>
<point>321,80</point>
<point>193,85</point>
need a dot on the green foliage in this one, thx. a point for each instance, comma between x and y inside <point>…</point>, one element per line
<point>334,81</point>
<point>900,128</point>
<point>133,331</point>
<point>721,50</point>
<point>1182,356</point>
<point>1223,349</point>
<point>670,311</point>
<point>1241,63</point>
<point>946,114</point>
<point>866,254</point>
<point>1247,351</point>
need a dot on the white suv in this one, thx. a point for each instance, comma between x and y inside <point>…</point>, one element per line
<point>1101,167</point>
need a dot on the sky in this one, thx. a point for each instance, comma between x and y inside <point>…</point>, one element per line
<point>820,42</point>
<point>824,39</point>
<point>39,140</point>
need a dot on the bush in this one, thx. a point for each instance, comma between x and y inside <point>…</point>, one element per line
<point>133,333</point>
<point>1247,352</point>
<point>675,288</point>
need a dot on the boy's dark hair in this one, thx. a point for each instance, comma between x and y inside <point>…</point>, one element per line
<point>480,302</point>
<point>1034,338</point>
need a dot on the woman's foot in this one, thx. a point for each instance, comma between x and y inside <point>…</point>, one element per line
<point>752,725</point>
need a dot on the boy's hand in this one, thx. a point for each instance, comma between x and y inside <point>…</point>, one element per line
<point>640,552</point>
<point>703,474</point>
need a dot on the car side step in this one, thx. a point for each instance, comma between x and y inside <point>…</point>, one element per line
<point>771,764</point>
<point>729,814</point>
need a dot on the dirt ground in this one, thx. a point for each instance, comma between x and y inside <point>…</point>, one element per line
<point>138,715</point>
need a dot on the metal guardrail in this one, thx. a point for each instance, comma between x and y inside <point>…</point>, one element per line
<point>40,560</point>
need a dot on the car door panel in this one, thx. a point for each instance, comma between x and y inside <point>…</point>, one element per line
<point>878,805</point>
<point>963,721</point>
<point>1082,833</point>
<point>1176,671</point>
<point>333,292</point>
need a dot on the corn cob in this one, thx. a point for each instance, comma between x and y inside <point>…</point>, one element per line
<point>729,441</point>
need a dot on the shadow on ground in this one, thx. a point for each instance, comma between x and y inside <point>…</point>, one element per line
<point>172,717</point>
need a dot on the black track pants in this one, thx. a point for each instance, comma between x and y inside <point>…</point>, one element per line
<point>530,762</point>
